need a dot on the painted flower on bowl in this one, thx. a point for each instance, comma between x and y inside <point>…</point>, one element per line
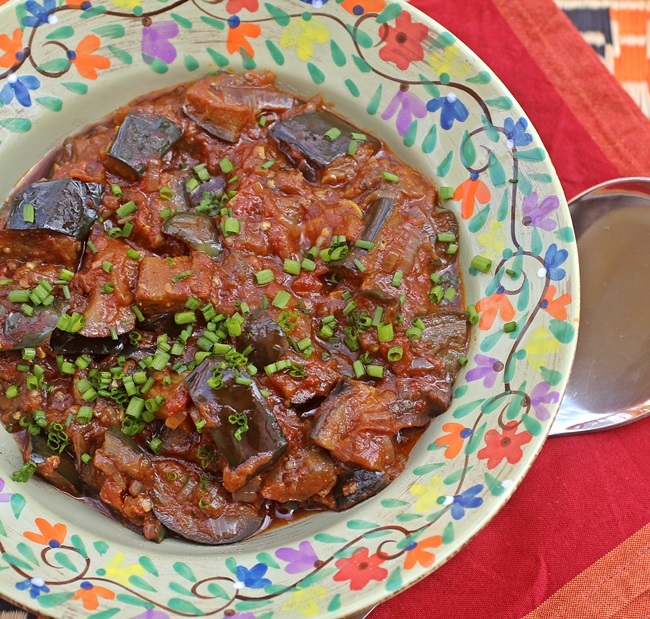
<point>419,553</point>
<point>468,499</point>
<point>19,87</point>
<point>403,41</point>
<point>300,560</point>
<point>13,49</point>
<point>253,577</point>
<point>540,397</point>
<point>89,594</point>
<point>360,569</point>
<point>453,109</point>
<point>303,34</point>
<point>156,41</point>
<point>487,369</point>
<point>537,213</point>
<point>35,586</point>
<point>506,444</point>
<point>408,106</point>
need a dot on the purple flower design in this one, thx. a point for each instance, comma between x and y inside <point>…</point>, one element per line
<point>242,616</point>
<point>156,41</point>
<point>154,614</point>
<point>540,396</point>
<point>466,500</point>
<point>409,106</point>
<point>19,88</point>
<point>536,213</point>
<point>487,368</point>
<point>552,260</point>
<point>4,496</point>
<point>35,585</point>
<point>452,109</point>
<point>516,132</point>
<point>299,560</point>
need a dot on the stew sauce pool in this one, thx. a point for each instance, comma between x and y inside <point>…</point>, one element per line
<point>223,305</point>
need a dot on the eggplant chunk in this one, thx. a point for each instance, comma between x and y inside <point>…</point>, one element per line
<point>305,140</point>
<point>57,468</point>
<point>376,214</point>
<point>444,336</point>
<point>140,137</point>
<point>40,246</point>
<point>197,508</point>
<point>214,185</point>
<point>265,336</point>
<point>22,331</point>
<point>357,486</point>
<point>196,231</point>
<point>262,443</point>
<point>65,205</point>
<point>76,344</point>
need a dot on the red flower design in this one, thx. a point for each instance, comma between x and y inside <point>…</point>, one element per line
<point>360,569</point>
<point>234,6</point>
<point>419,553</point>
<point>491,306</point>
<point>51,535</point>
<point>506,444</point>
<point>556,307</point>
<point>403,41</point>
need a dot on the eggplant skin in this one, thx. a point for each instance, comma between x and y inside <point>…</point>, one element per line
<point>64,205</point>
<point>75,344</point>
<point>140,137</point>
<point>265,336</point>
<point>357,486</point>
<point>197,231</point>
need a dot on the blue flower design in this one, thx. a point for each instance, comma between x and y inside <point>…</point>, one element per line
<point>253,578</point>
<point>36,586</point>
<point>466,500</point>
<point>516,132</point>
<point>19,87</point>
<point>315,3</point>
<point>40,14</point>
<point>553,259</point>
<point>452,109</point>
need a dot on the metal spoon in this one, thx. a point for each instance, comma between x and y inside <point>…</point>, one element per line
<point>610,381</point>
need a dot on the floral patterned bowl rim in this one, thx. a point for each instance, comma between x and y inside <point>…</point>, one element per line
<point>393,71</point>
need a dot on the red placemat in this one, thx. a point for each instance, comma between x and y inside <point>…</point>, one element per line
<point>585,494</point>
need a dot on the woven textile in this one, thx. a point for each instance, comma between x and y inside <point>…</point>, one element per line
<point>619,32</point>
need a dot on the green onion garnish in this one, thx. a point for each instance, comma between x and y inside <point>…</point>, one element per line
<point>446,193</point>
<point>264,277</point>
<point>376,371</point>
<point>108,288</point>
<point>509,327</point>
<point>452,248</point>
<point>292,267</point>
<point>116,190</point>
<point>308,264</point>
<point>230,226</point>
<point>332,134</point>
<point>364,244</point>
<point>389,176</point>
<point>107,266</point>
<point>92,247</point>
<point>473,314</point>
<point>397,279</point>
<point>395,353</point>
<point>267,164</point>
<point>385,332</point>
<point>226,165</point>
<point>185,318</point>
<point>358,368</point>
<point>84,414</point>
<point>450,294</point>
<point>352,148</point>
<point>182,275</point>
<point>281,299</point>
<point>28,213</point>
<point>446,237</point>
<point>126,209</point>
<point>481,263</point>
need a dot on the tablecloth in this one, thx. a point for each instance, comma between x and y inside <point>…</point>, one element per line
<point>586,494</point>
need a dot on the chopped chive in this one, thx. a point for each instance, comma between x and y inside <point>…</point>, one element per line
<point>191,185</point>
<point>182,275</point>
<point>349,308</point>
<point>127,228</point>
<point>364,244</point>
<point>359,137</point>
<point>379,314</point>
<point>113,333</point>
<point>308,264</point>
<point>6,282</point>
<point>231,226</point>
<point>376,371</point>
<point>358,368</point>
<point>292,267</point>
<point>481,263</point>
<point>359,265</point>
<point>135,407</point>
<point>413,333</point>
<point>265,302</point>
<point>149,383</point>
<point>267,164</point>
<point>385,332</point>
<point>107,266</point>
<point>26,309</point>
<point>134,255</point>
<point>108,288</point>
<point>446,237</point>
<point>28,213</point>
<point>436,294</point>
<point>347,295</point>
<point>264,276</point>
<point>281,299</point>
<point>397,279</point>
<point>262,121</point>
<point>450,294</point>
<point>389,176</point>
<point>166,213</point>
<point>473,314</point>
<point>328,319</point>
<point>18,296</point>
<point>446,193</point>
<point>138,313</point>
<point>452,248</point>
<point>116,190</point>
<point>160,360</point>
<point>12,391</point>
<point>332,133</point>
<point>233,179</point>
<point>155,444</point>
<point>352,148</point>
<point>185,318</point>
<point>166,193</point>
<point>84,414</point>
<point>226,165</point>
<point>126,209</point>
<point>462,360</point>
<point>92,247</point>
<point>509,327</point>
<point>395,353</point>
<point>86,458</point>
<point>326,332</point>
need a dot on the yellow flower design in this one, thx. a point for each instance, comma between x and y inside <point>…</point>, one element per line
<point>449,60</point>
<point>117,571</point>
<point>302,34</point>
<point>493,239</point>
<point>428,495</point>
<point>127,5</point>
<point>539,346</point>
<point>304,601</point>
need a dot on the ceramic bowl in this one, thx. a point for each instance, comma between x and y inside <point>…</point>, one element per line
<point>399,74</point>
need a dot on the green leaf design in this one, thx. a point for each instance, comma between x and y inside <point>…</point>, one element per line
<point>524,296</point>
<point>509,373</point>
<point>361,37</point>
<point>491,341</point>
<point>411,134</point>
<point>491,405</point>
<point>217,591</point>
<point>474,442</point>
<point>406,518</point>
<point>51,103</point>
<point>481,78</point>
<point>105,614</point>
<point>337,54</point>
<point>16,561</point>
<point>120,54</point>
<point>566,234</point>
<point>394,580</point>
<point>335,603</point>
<point>3,531</point>
<point>56,65</point>
<point>49,600</point>
<point>184,571</point>
<point>101,547</point>
<point>191,63</point>
<point>219,59</point>
<point>432,89</point>
<point>251,605</point>
<point>274,589</point>
<point>155,64</point>
<point>248,61</point>
<point>17,500</point>
<point>514,407</point>
<point>64,32</point>
<point>27,552</point>
<point>211,21</point>
<point>326,538</point>
<point>132,600</point>
<point>317,576</point>
<point>111,31</point>
<point>392,11</point>
<point>93,12</point>
<point>448,534</point>
<point>276,54</point>
<point>465,409</point>
<point>494,485</point>
<point>361,525</point>
<point>377,533</point>
<point>534,155</point>
<point>445,165</point>
<point>535,241</point>
<point>267,559</point>
<point>391,503</point>
<point>563,331</point>
<point>373,104</point>
<point>231,564</point>
<point>467,152</point>
<point>541,178</point>
<point>77,542</point>
<point>352,87</point>
<point>21,12</point>
<point>501,103</point>
<point>362,65</point>
<point>425,469</point>
<point>430,140</point>
<point>497,173</point>
<point>183,22</point>
<point>64,561</point>
<point>502,213</point>
<point>141,583</point>
<point>148,565</point>
<point>525,186</point>
<point>77,88</point>
<point>460,391</point>
<point>178,588</point>
<point>478,221</point>
<point>435,447</point>
<point>456,476</point>
<point>532,425</point>
<point>277,14</point>
<point>409,539</point>
<point>317,76</point>
<point>183,606</point>
<point>552,377</point>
